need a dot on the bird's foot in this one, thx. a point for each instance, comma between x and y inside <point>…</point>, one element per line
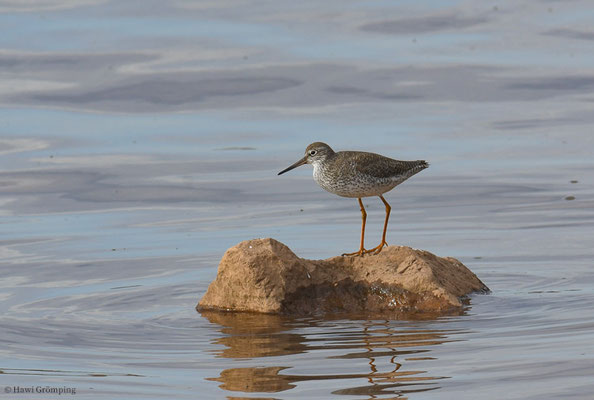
<point>377,249</point>
<point>361,252</point>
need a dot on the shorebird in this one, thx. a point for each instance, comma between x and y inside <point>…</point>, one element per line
<point>358,174</point>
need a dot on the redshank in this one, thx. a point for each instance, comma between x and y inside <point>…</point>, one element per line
<point>358,174</point>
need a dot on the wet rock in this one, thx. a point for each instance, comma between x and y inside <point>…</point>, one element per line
<point>264,275</point>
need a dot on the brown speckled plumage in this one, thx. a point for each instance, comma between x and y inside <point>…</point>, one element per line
<point>358,174</point>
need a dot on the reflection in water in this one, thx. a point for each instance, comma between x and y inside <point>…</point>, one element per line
<point>256,379</point>
<point>388,348</point>
<point>252,335</point>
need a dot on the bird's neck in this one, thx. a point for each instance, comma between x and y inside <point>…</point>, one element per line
<point>319,168</point>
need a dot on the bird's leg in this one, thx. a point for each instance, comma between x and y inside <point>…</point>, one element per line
<point>363,219</point>
<point>377,249</point>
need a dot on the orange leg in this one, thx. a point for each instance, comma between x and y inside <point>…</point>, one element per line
<point>377,249</point>
<point>364,218</point>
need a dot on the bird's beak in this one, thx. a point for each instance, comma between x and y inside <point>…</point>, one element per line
<point>298,163</point>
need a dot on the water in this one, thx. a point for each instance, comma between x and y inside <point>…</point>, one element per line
<point>140,140</point>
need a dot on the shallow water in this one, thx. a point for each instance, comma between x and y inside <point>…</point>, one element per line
<point>139,141</point>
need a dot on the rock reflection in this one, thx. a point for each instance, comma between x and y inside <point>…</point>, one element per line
<point>250,380</point>
<point>385,357</point>
<point>254,335</point>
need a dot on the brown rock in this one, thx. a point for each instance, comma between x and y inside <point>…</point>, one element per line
<point>264,275</point>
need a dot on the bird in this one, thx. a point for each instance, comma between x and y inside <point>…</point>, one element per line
<point>358,174</point>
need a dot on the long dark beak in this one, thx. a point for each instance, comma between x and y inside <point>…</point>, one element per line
<point>298,163</point>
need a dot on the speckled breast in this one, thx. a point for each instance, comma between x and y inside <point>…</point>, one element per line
<point>346,181</point>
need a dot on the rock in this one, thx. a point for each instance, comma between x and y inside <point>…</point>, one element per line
<point>264,275</point>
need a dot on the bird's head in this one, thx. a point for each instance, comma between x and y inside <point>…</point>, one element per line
<point>314,153</point>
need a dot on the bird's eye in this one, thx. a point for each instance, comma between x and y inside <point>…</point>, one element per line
<point>312,152</point>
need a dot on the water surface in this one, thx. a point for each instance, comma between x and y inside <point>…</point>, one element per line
<point>140,140</point>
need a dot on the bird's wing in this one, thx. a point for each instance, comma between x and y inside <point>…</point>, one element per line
<point>383,167</point>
